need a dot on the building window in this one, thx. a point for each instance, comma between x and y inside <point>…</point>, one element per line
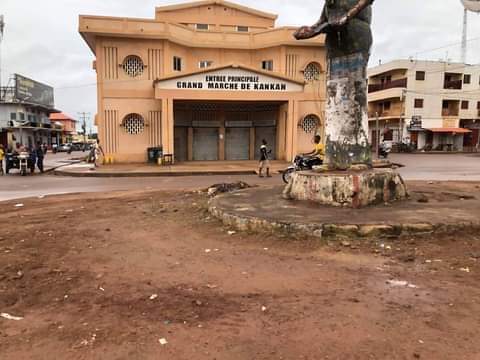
<point>205,64</point>
<point>267,65</point>
<point>13,116</point>
<point>202,26</point>
<point>177,63</point>
<point>312,72</point>
<point>465,105</point>
<point>420,75</point>
<point>242,28</point>
<point>387,105</point>
<point>310,123</point>
<point>467,78</point>
<point>133,66</point>
<point>418,103</point>
<point>478,105</point>
<point>133,124</point>
<point>22,116</point>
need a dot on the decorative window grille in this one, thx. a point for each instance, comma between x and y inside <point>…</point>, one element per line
<point>312,72</point>
<point>133,66</point>
<point>310,123</point>
<point>134,124</point>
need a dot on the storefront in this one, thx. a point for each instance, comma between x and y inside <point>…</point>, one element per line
<point>206,81</point>
<point>471,141</point>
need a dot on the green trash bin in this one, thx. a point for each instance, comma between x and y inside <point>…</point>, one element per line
<point>154,153</point>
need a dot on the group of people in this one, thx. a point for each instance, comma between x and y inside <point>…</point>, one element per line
<point>37,155</point>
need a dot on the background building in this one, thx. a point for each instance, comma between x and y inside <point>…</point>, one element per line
<point>432,104</point>
<point>205,80</point>
<point>68,126</point>
<point>25,108</point>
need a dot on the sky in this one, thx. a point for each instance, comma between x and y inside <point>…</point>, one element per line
<point>41,38</point>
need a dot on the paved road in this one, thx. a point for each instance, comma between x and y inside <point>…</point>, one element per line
<point>441,167</point>
<point>418,167</point>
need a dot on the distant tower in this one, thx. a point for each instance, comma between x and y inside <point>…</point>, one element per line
<point>469,5</point>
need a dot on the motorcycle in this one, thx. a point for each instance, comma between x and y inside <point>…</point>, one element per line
<point>23,158</point>
<point>384,150</point>
<point>22,162</point>
<point>300,163</point>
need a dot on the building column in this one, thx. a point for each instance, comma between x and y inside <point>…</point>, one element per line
<point>292,118</point>
<point>167,126</point>
<point>295,129</point>
<point>282,132</point>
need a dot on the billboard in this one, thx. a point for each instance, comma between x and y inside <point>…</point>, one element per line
<point>33,92</point>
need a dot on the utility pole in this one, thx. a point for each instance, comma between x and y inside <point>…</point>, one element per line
<point>464,36</point>
<point>2,29</point>
<point>84,116</point>
<point>377,135</point>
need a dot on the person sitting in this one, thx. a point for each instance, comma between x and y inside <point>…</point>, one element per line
<point>318,154</point>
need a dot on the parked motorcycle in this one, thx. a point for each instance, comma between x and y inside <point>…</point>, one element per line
<point>22,162</point>
<point>384,150</point>
<point>300,163</point>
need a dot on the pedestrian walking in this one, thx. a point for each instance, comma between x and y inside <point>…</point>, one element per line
<point>2,156</point>
<point>40,156</point>
<point>264,159</point>
<point>96,150</point>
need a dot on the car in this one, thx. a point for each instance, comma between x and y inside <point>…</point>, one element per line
<point>64,148</point>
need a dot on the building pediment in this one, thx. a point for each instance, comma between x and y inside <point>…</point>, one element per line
<point>220,3</point>
<point>231,78</point>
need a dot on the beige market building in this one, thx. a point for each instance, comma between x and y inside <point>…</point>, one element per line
<point>205,80</point>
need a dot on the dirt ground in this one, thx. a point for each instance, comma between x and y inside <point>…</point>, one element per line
<point>107,276</point>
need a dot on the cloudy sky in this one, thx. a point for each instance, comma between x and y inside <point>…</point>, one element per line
<point>41,39</point>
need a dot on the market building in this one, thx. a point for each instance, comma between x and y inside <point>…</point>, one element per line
<point>25,108</point>
<point>433,105</point>
<point>205,80</point>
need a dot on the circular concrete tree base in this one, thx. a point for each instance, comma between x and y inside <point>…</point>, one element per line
<point>350,188</point>
<point>443,208</point>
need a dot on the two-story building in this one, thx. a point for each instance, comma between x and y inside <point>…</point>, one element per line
<point>25,108</point>
<point>205,80</point>
<point>434,105</point>
<point>68,126</point>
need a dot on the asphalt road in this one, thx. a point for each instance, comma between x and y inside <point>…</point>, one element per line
<point>417,167</point>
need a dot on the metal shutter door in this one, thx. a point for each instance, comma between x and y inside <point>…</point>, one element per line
<point>205,144</point>
<point>237,144</point>
<point>269,134</point>
<point>181,143</point>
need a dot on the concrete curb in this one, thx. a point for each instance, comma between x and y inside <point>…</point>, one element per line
<point>319,230</point>
<point>94,174</point>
